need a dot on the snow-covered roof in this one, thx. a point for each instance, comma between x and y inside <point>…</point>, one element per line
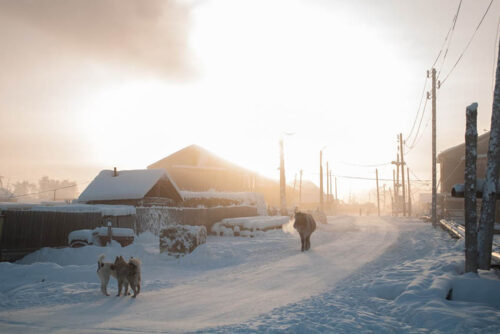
<point>128,184</point>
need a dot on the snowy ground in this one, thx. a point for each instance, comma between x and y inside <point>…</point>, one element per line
<point>362,274</point>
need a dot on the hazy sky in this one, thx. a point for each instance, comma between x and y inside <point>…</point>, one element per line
<point>88,85</point>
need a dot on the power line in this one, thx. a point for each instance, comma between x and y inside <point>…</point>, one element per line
<point>418,109</point>
<point>455,18</point>
<point>419,125</point>
<point>452,27</point>
<point>417,178</point>
<point>365,178</point>
<point>421,134</point>
<point>447,43</point>
<point>468,44</point>
<point>359,165</point>
<point>373,179</point>
<point>495,59</point>
<point>51,190</point>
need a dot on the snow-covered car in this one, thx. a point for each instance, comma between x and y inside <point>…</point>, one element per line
<point>99,236</point>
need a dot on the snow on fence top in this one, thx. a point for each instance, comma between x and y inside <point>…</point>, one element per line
<point>127,184</point>
<point>16,206</point>
<point>104,209</point>
<point>246,198</point>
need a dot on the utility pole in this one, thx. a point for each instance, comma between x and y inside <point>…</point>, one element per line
<point>331,189</point>
<point>283,209</point>
<point>336,198</point>
<point>393,179</point>
<point>401,144</point>
<point>392,201</point>
<point>300,189</point>
<point>434,190</point>
<point>321,180</point>
<point>396,183</point>
<point>294,196</point>
<point>409,191</point>
<point>396,191</point>
<point>384,196</point>
<point>327,185</point>
<point>393,191</point>
<point>378,198</point>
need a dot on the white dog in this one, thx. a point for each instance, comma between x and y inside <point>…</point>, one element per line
<point>104,271</point>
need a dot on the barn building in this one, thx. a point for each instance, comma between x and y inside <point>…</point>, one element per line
<point>452,163</point>
<point>194,168</point>
<point>452,170</point>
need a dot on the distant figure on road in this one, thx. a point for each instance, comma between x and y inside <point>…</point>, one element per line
<point>305,225</point>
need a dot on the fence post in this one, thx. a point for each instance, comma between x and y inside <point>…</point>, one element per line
<point>110,232</point>
<point>487,220</point>
<point>470,206</point>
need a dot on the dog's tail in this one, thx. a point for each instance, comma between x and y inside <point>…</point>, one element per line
<point>135,262</point>
<point>99,261</point>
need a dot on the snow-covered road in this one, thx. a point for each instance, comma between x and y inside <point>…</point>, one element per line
<point>227,280</point>
<point>361,271</point>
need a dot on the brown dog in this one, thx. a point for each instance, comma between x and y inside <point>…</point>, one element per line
<point>128,273</point>
<point>305,225</point>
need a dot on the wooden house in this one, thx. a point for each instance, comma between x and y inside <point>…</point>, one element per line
<point>141,187</point>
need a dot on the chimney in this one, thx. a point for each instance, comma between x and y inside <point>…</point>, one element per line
<point>115,173</point>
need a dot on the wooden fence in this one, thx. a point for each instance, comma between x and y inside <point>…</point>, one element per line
<point>23,232</point>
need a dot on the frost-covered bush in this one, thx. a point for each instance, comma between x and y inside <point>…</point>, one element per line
<point>181,239</point>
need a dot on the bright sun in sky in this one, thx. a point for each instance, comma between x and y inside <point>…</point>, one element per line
<point>342,76</point>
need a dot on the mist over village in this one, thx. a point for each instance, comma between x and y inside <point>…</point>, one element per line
<point>237,166</point>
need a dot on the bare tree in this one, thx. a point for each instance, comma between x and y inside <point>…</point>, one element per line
<point>51,189</point>
<point>25,189</point>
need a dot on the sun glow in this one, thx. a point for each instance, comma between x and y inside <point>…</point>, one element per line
<point>265,68</point>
